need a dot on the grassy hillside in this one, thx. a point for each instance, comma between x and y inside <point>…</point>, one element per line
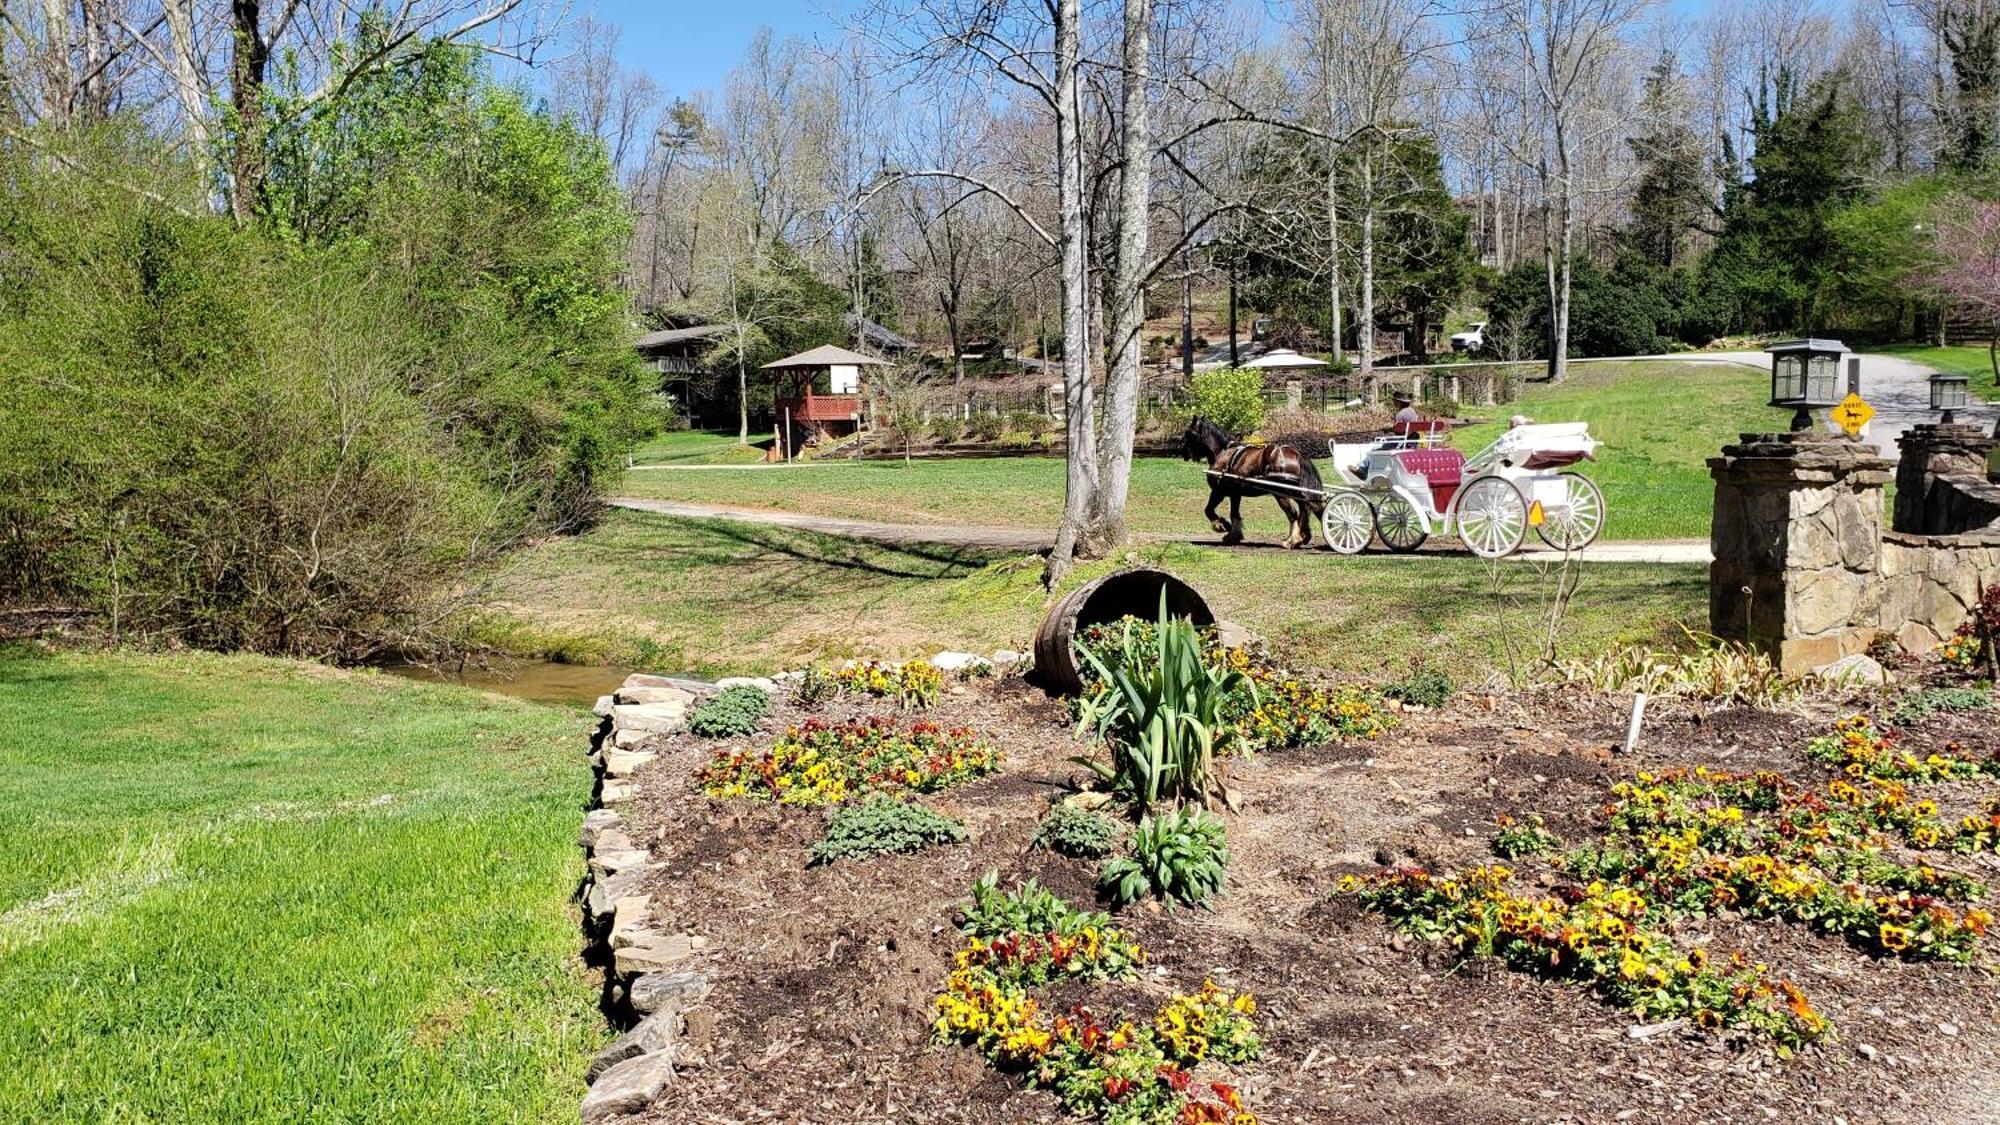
<point>718,596</point>
<point>236,889</point>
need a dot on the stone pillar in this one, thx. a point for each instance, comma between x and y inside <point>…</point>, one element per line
<point>1797,538</point>
<point>1295,395</point>
<point>1931,452</point>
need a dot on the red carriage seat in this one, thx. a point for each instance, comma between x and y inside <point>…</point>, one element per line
<point>1442,469</point>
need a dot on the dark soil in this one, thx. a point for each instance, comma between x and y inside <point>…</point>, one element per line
<point>826,975</point>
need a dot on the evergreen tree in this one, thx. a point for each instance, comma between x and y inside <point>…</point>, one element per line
<point>1668,201</point>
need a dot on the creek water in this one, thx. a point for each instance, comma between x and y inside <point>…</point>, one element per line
<point>539,681</point>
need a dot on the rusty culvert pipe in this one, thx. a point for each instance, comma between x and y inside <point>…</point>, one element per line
<point>1125,593</point>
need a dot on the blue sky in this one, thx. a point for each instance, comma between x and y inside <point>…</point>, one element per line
<point>688,45</point>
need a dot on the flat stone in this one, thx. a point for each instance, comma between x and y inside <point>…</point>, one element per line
<point>614,793</point>
<point>628,921</point>
<point>595,823</point>
<point>641,696</point>
<point>1006,658</point>
<point>1858,669</point>
<point>614,840</point>
<point>628,1087</point>
<point>1231,635</point>
<point>761,683</point>
<point>660,718</point>
<point>660,953</point>
<point>631,739</point>
<point>602,897</point>
<point>624,763</point>
<point>650,1036</point>
<point>602,708</point>
<point>605,863</point>
<point>679,991</point>
<point>960,662</point>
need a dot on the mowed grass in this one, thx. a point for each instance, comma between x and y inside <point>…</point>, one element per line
<point>245,890</point>
<point>717,596</point>
<point>696,447</point>
<point>1660,422</point>
<point>1972,361</point>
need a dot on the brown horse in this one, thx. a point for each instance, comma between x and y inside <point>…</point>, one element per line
<point>1234,470</point>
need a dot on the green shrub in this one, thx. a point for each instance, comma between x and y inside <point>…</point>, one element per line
<point>882,826</point>
<point>1028,909</point>
<point>1230,397</point>
<point>1930,701</point>
<point>1162,706</point>
<point>947,428</point>
<point>1179,856</point>
<point>1077,833</point>
<point>731,714</point>
<point>986,427</point>
<point>1423,687</point>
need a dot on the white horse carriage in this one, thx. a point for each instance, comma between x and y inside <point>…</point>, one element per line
<point>1408,486</point>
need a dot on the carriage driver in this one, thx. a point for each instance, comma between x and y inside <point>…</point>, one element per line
<point>1406,410</point>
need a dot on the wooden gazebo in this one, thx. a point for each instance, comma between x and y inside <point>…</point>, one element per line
<point>799,409</point>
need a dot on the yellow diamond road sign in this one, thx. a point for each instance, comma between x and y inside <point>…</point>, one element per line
<point>1853,413</point>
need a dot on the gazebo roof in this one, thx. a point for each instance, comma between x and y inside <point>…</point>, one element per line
<point>1281,359</point>
<point>826,355</point>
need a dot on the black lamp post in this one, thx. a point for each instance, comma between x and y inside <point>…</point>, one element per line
<point>1950,393</point>
<point>1805,375</point>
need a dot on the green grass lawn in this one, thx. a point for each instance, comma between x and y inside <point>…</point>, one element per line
<point>1660,422</point>
<point>1971,361</point>
<point>696,447</point>
<point>715,596</point>
<point>238,889</point>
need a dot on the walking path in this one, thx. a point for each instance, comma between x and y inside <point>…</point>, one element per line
<point>1689,551</point>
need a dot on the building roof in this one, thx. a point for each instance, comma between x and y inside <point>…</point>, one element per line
<point>1283,359</point>
<point>667,336</point>
<point>876,336</point>
<point>826,355</point>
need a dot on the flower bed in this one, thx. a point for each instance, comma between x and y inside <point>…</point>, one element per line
<point>1686,843</point>
<point>818,762</point>
<point>912,683</point>
<point>1114,1070</point>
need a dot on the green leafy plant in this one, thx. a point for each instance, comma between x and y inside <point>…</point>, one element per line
<point>732,713</point>
<point>814,687</point>
<point>1231,397</point>
<point>947,428</point>
<point>1423,687</point>
<point>1714,669</point>
<point>1162,707</point>
<point>1078,833</point>
<point>986,427</point>
<point>1179,856</point>
<point>883,826</point>
<point>1518,838</point>
<point>1930,701</point>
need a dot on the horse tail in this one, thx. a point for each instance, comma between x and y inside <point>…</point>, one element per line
<point>1309,478</point>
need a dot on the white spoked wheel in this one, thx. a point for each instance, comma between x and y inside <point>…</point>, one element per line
<point>1348,521</point>
<point>1573,523</point>
<point>1492,517</point>
<point>1399,524</point>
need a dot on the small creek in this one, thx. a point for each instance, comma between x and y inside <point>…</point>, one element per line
<point>539,681</point>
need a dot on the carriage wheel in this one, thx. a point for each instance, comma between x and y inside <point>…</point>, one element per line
<point>1492,517</point>
<point>1399,525</point>
<point>1348,521</point>
<point>1573,524</point>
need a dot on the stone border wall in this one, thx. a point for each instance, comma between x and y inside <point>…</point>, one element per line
<point>655,976</point>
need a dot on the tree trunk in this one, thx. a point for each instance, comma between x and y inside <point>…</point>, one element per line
<point>1187,314</point>
<point>1125,356</point>
<point>1364,341</point>
<point>1080,421</point>
<point>1559,354</point>
<point>1235,357</point>
<point>187,78</point>
<point>1339,349</point>
<point>1993,356</point>
<point>249,55</point>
